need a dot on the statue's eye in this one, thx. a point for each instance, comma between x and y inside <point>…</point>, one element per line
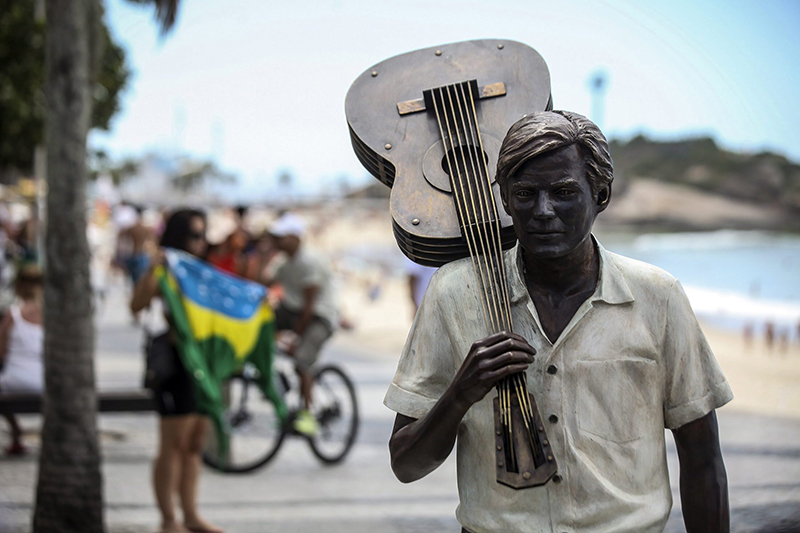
<point>565,193</point>
<point>523,193</point>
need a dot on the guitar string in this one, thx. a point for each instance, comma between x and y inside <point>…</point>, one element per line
<point>468,234</point>
<point>481,222</point>
<point>485,215</point>
<point>503,392</point>
<point>493,205</point>
<point>519,381</point>
<point>477,222</point>
<point>492,249</point>
<point>486,199</point>
<point>488,255</point>
<point>505,398</point>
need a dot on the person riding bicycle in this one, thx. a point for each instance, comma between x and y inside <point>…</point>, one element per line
<point>307,308</point>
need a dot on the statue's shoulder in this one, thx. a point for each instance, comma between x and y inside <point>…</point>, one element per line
<point>454,277</point>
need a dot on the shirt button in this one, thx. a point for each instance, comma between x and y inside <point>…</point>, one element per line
<point>553,419</point>
<point>552,369</point>
<point>556,479</point>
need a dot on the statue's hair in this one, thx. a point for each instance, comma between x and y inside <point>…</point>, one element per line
<point>546,131</point>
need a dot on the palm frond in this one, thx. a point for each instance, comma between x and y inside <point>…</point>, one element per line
<point>166,13</point>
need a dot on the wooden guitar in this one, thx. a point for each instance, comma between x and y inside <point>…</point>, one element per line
<point>429,124</point>
<point>396,136</point>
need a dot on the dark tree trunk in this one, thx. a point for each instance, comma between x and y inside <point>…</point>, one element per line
<point>69,494</point>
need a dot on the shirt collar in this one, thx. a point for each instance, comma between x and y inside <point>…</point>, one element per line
<point>611,287</point>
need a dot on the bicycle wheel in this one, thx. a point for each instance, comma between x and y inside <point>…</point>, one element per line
<point>256,432</point>
<point>336,409</point>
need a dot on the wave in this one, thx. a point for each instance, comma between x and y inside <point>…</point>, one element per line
<point>703,240</point>
<point>735,307</point>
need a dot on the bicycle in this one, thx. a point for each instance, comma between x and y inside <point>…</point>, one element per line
<point>256,432</point>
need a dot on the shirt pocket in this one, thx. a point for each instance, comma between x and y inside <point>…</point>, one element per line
<point>617,400</point>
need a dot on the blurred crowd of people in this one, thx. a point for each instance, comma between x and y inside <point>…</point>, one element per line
<point>236,249</point>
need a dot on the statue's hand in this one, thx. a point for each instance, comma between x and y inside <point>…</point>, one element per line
<point>489,360</point>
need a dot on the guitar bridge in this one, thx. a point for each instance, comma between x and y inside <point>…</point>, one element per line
<point>420,104</point>
<point>523,454</point>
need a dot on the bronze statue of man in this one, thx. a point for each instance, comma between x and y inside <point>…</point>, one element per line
<point>619,356</point>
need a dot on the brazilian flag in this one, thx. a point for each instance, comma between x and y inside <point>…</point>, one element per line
<point>221,321</point>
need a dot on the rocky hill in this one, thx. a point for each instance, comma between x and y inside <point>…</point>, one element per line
<point>764,178</point>
<point>693,185</point>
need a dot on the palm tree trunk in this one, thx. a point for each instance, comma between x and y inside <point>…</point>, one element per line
<point>69,493</point>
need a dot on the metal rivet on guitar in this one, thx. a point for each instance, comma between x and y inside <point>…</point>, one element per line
<point>438,52</point>
<point>415,222</point>
<point>374,73</point>
<point>500,46</point>
<point>387,146</point>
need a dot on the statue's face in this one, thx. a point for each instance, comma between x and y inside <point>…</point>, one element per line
<point>551,203</point>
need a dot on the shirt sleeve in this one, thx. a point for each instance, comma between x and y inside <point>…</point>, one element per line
<point>694,383</point>
<point>428,362</point>
<point>312,273</point>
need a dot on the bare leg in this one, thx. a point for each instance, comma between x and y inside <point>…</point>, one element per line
<point>190,475</point>
<point>16,430</point>
<point>306,382</point>
<point>167,468</point>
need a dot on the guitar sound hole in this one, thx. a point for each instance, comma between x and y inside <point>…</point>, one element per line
<point>464,160</point>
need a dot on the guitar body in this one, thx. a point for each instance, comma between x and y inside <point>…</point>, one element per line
<point>406,151</point>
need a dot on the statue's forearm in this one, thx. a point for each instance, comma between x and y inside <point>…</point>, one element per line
<point>704,498</point>
<point>418,447</point>
<point>704,483</point>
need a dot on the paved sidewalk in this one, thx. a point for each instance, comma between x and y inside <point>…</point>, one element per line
<point>295,493</point>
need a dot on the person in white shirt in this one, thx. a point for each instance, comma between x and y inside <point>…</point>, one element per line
<point>308,307</point>
<point>21,344</point>
<point>619,356</point>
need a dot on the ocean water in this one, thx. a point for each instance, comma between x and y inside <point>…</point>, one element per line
<point>732,278</point>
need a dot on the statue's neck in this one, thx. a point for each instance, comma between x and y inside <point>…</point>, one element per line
<point>575,272</point>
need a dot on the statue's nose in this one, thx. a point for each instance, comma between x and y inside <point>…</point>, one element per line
<point>543,207</point>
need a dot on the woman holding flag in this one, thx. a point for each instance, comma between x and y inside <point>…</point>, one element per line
<point>182,428</point>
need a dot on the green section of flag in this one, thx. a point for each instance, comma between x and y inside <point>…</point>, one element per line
<point>212,361</point>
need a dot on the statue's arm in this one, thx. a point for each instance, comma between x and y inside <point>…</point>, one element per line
<point>418,447</point>
<point>704,483</point>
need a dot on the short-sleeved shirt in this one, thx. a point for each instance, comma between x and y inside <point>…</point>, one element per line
<point>307,269</point>
<point>631,362</point>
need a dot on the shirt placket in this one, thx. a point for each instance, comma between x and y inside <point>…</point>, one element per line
<point>552,411</point>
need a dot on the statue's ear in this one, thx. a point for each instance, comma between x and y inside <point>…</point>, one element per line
<point>603,198</point>
<point>504,199</point>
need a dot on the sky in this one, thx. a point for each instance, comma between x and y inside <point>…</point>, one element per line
<point>258,86</point>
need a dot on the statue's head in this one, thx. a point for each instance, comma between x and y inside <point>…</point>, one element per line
<point>554,172</point>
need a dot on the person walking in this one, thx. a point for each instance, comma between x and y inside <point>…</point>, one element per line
<point>182,429</point>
